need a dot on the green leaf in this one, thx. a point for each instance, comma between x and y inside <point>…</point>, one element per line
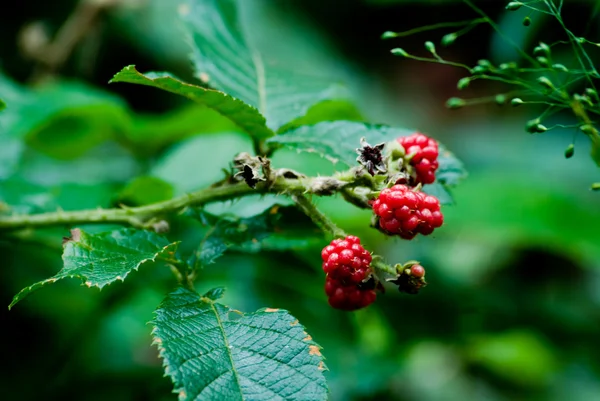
<point>451,170</point>
<point>22,197</point>
<point>63,119</point>
<point>276,228</point>
<point>212,352</point>
<point>199,161</point>
<point>519,356</point>
<point>144,190</point>
<point>104,258</point>
<point>338,140</point>
<point>244,116</point>
<point>224,59</point>
<point>328,110</point>
<point>150,133</point>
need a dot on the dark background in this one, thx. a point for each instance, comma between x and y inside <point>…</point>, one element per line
<point>512,311</point>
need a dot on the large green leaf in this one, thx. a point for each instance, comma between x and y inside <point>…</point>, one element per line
<point>276,228</point>
<point>224,59</point>
<point>336,140</point>
<point>63,119</point>
<point>104,258</point>
<point>151,133</point>
<point>244,116</point>
<point>212,352</point>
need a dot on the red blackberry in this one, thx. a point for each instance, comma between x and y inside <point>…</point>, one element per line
<point>348,297</point>
<point>425,153</point>
<point>348,268</point>
<point>406,213</point>
<point>346,259</point>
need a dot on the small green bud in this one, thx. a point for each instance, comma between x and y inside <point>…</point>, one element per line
<point>514,5</point>
<point>478,69</point>
<point>500,100</point>
<point>388,35</point>
<point>448,39</point>
<point>455,103</point>
<point>543,61</point>
<point>588,129</point>
<point>463,83</point>
<point>526,21</point>
<point>399,52</point>
<point>430,46</point>
<point>545,82</point>
<point>484,63</point>
<point>534,126</point>
<point>560,67</point>
<point>508,66</point>
<point>570,151</point>
<point>595,186</point>
<point>541,50</point>
<point>516,102</point>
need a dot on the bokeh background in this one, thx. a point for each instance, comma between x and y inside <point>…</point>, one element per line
<point>512,311</point>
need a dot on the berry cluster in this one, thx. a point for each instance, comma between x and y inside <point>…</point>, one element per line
<point>406,213</point>
<point>425,156</point>
<point>347,264</point>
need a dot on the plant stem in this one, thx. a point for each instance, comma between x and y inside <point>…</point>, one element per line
<point>145,216</point>
<point>317,216</point>
<point>380,266</point>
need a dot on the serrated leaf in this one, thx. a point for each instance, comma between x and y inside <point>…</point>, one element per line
<point>276,228</point>
<point>212,352</point>
<point>224,59</point>
<point>215,293</point>
<point>338,140</point>
<point>101,259</point>
<point>243,115</point>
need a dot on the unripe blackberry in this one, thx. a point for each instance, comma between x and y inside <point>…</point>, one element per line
<point>404,212</point>
<point>425,153</point>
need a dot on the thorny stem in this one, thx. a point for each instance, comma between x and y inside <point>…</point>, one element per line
<point>382,267</point>
<point>322,221</point>
<point>148,215</point>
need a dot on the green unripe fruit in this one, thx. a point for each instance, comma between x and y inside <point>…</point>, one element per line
<point>455,103</point>
<point>399,52</point>
<point>514,5</point>
<point>570,151</point>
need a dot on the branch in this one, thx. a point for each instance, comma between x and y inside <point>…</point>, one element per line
<point>147,215</point>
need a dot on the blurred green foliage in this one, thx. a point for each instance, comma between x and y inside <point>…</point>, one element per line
<point>512,310</point>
